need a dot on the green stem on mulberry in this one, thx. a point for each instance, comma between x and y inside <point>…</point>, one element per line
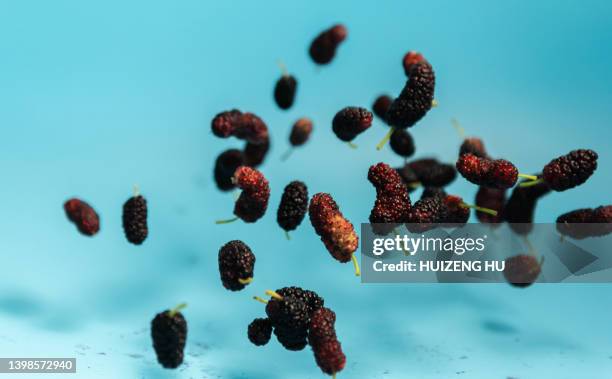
<point>385,139</point>
<point>356,265</point>
<point>530,177</point>
<point>434,103</point>
<point>274,295</point>
<point>352,145</point>
<point>283,68</point>
<point>228,221</point>
<point>287,235</point>
<point>245,281</point>
<point>177,309</point>
<point>531,183</point>
<point>490,211</point>
<point>264,301</point>
<point>458,127</point>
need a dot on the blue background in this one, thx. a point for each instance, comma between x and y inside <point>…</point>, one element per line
<point>98,96</point>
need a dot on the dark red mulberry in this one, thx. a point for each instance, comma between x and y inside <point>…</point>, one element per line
<point>351,121</point>
<point>236,265</point>
<point>498,173</point>
<point>324,342</point>
<point>433,192</point>
<point>169,334</point>
<point>323,47</point>
<point>255,154</point>
<point>522,270</point>
<point>336,232</point>
<point>135,219</point>
<point>329,357</point>
<point>253,201</point>
<point>321,326</point>
<point>402,143</point>
<point>425,213</point>
<point>457,212</point>
<point>260,331</point>
<point>570,170</point>
<point>381,106</point>
<point>473,145</point>
<point>410,59</point>
<point>491,198</point>
<point>392,204</point>
<point>83,216</point>
<point>284,91</point>
<point>300,132</point>
<point>598,220</point>
<point>293,206</point>
<point>432,173</point>
<point>416,98</point>
<point>225,167</point>
<point>245,126</point>
<point>520,208</point>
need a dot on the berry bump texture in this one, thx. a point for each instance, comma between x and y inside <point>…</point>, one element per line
<point>236,265</point>
<point>570,170</point>
<point>169,334</point>
<point>293,206</point>
<point>253,200</point>
<point>135,219</point>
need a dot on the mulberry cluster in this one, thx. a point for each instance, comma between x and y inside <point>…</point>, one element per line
<point>456,212</point>
<point>498,173</point>
<point>83,216</point>
<point>336,232</point>
<point>253,201</point>
<point>432,173</point>
<point>416,98</point>
<point>300,132</point>
<point>350,122</point>
<point>491,198</point>
<point>169,334</point>
<point>323,47</point>
<point>381,106</point>
<point>475,146</point>
<point>520,207</point>
<point>425,213</point>
<point>260,331</point>
<point>586,222</point>
<point>401,143</point>
<point>135,219</point>
<point>236,265</point>
<point>284,91</point>
<point>570,170</point>
<point>522,270</point>
<point>245,126</point>
<point>293,206</point>
<point>324,342</point>
<point>392,204</point>
<point>225,166</point>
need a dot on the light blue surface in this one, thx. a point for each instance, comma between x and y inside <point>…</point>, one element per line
<point>98,96</point>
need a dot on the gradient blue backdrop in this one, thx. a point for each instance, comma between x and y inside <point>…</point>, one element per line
<point>98,96</point>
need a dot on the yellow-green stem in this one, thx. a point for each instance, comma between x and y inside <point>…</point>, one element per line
<point>274,295</point>
<point>356,265</point>
<point>264,301</point>
<point>385,139</point>
<point>531,183</point>
<point>245,281</point>
<point>177,309</point>
<point>351,145</point>
<point>287,235</point>
<point>530,177</point>
<point>479,209</point>
<point>228,221</point>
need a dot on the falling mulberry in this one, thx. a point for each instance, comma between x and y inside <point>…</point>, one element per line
<point>324,46</point>
<point>169,333</point>
<point>284,91</point>
<point>570,170</point>
<point>83,216</point>
<point>491,198</point>
<point>498,173</point>
<point>293,206</point>
<point>586,222</point>
<point>520,207</point>
<point>351,121</point>
<point>135,219</point>
<point>225,167</point>
<point>236,265</point>
<point>522,270</point>
<point>392,204</point>
<point>381,106</point>
<point>260,331</point>
<point>300,132</point>
<point>432,173</point>
<point>425,213</point>
<point>253,201</point>
<point>245,126</point>
<point>401,143</point>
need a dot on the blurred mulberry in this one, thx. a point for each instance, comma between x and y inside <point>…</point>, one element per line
<point>323,47</point>
<point>475,146</point>
<point>491,198</point>
<point>408,177</point>
<point>402,143</point>
<point>522,270</point>
<point>433,192</point>
<point>392,204</point>
<point>381,106</point>
<point>300,132</point>
<point>236,265</point>
<point>83,216</point>
<point>351,121</point>
<point>169,334</point>
<point>253,200</point>
<point>570,170</point>
<point>416,98</point>
<point>520,207</point>
<point>293,206</point>
<point>456,212</point>
<point>598,222</point>
<point>284,91</point>
<point>498,173</point>
<point>260,331</point>
<point>245,126</point>
<point>425,213</point>
<point>135,219</point>
<point>432,173</point>
<point>225,167</point>
<point>255,154</point>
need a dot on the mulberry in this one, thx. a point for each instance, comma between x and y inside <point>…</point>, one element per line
<point>425,213</point>
<point>236,265</point>
<point>225,167</point>
<point>522,270</point>
<point>169,334</point>
<point>491,198</point>
<point>293,206</point>
<point>312,300</point>
<point>300,132</point>
<point>401,143</point>
<point>475,146</point>
<point>290,317</point>
<point>408,177</point>
<point>432,173</point>
<point>433,192</point>
<point>381,106</point>
<point>324,342</point>
<point>284,91</point>
<point>255,154</point>
<point>520,208</point>
<point>498,173</point>
<point>599,222</point>
<point>135,219</point>
<point>324,46</point>
<point>457,212</point>
<point>392,204</point>
<point>260,331</point>
<point>416,98</point>
<point>253,201</point>
<point>351,121</point>
<point>83,216</point>
<point>225,123</point>
<point>245,126</point>
<point>336,232</point>
<point>570,170</point>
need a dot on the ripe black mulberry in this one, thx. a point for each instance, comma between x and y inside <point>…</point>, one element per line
<point>350,122</point>
<point>169,334</point>
<point>381,106</point>
<point>236,265</point>
<point>260,331</point>
<point>402,144</point>
<point>324,46</point>
<point>598,222</point>
<point>135,219</point>
<point>293,206</point>
<point>520,207</point>
<point>432,173</point>
<point>284,91</point>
